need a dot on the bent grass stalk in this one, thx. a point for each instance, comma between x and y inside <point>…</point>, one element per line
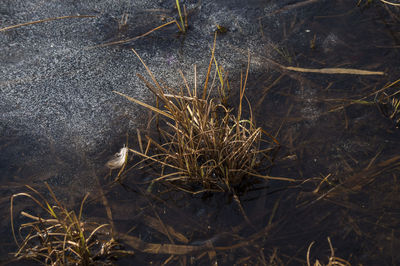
<point>390,3</point>
<point>333,260</point>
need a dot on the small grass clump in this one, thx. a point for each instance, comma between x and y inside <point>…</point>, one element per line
<point>60,237</point>
<point>204,145</point>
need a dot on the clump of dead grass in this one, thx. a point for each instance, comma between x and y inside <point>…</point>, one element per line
<point>59,236</point>
<point>205,145</point>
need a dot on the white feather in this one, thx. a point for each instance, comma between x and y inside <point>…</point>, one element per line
<point>119,159</point>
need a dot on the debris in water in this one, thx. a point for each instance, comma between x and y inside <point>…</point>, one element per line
<point>119,159</point>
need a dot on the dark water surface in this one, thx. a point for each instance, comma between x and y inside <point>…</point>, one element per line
<point>335,142</point>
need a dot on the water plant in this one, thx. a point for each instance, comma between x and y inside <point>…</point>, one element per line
<point>205,145</point>
<point>59,236</point>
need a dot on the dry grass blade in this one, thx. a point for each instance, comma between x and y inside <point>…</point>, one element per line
<point>154,109</point>
<point>59,236</point>
<point>137,37</point>
<point>362,99</point>
<point>390,3</point>
<point>165,229</point>
<point>205,146</point>
<point>349,71</point>
<point>44,20</point>
<point>296,5</point>
<point>155,248</point>
<point>209,68</point>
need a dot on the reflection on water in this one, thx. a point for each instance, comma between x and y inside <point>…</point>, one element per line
<point>335,141</point>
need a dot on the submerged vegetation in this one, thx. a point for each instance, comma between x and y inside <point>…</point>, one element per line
<point>332,261</point>
<point>59,236</point>
<point>388,102</point>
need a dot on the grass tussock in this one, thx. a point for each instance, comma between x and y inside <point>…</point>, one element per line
<point>59,236</point>
<point>205,145</point>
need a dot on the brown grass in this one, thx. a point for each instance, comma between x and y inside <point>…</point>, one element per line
<point>333,260</point>
<point>59,236</point>
<point>205,145</point>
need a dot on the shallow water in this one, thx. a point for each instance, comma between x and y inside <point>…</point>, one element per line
<point>324,134</point>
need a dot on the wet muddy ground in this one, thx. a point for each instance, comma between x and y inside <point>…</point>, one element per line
<point>335,141</point>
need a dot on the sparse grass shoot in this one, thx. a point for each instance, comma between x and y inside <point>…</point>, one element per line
<point>183,26</point>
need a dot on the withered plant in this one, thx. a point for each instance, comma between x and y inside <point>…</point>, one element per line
<point>205,146</point>
<point>59,236</point>
<point>389,104</point>
<point>332,261</point>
